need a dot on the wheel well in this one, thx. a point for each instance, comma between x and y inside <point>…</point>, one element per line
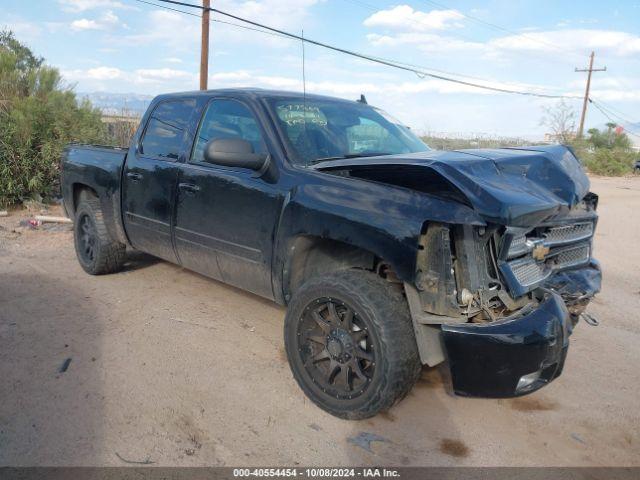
<point>78,189</point>
<point>312,256</point>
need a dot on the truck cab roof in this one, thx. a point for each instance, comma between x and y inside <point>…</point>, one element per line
<point>251,92</point>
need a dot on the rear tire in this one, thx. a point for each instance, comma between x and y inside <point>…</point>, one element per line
<point>350,343</point>
<point>97,252</point>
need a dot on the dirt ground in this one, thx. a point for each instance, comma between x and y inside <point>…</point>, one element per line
<point>171,368</point>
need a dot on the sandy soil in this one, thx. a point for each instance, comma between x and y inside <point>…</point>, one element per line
<point>172,368</point>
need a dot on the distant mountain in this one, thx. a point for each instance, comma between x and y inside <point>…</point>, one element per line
<point>133,104</point>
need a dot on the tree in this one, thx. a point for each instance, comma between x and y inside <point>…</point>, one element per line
<point>561,120</point>
<point>608,138</point>
<point>38,117</point>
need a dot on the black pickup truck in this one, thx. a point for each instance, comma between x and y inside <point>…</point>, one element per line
<point>388,255</point>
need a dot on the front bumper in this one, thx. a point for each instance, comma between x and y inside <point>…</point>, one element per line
<point>510,357</point>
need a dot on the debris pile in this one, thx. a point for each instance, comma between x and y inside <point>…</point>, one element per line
<point>38,220</point>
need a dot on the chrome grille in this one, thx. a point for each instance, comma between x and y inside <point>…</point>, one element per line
<point>518,246</point>
<point>529,272</point>
<point>568,233</point>
<point>527,264</point>
<point>572,256</point>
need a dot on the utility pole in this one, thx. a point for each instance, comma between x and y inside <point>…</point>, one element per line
<point>586,93</point>
<point>204,49</point>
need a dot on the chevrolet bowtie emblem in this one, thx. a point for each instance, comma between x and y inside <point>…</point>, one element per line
<point>539,252</point>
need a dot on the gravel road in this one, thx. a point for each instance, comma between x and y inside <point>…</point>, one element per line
<point>171,368</point>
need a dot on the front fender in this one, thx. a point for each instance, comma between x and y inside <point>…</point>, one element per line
<point>383,220</point>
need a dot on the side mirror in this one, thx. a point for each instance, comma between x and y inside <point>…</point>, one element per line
<point>234,152</point>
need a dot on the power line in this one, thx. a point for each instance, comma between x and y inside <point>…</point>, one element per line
<point>285,37</point>
<point>422,67</point>
<point>446,72</point>
<point>604,111</point>
<point>389,63</point>
<point>212,19</point>
<point>613,109</point>
<point>608,113</point>
<point>598,104</point>
<point>288,38</point>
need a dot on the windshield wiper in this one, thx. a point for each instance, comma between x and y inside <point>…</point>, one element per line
<point>349,155</point>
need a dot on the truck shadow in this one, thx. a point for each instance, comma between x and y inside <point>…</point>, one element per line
<point>137,260</point>
<point>412,432</point>
<point>51,390</point>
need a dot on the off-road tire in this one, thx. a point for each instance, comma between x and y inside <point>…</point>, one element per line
<point>108,255</point>
<point>382,306</point>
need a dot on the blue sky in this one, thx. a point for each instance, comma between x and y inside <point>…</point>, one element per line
<point>124,46</point>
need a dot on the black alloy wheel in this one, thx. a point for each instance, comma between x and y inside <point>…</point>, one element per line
<point>336,348</point>
<point>87,238</point>
<point>350,343</point>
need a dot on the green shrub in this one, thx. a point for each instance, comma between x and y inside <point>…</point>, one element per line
<point>614,159</point>
<point>610,162</point>
<point>38,116</point>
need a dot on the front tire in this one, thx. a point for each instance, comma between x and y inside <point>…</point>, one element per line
<point>97,252</point>
<point>350,343</point>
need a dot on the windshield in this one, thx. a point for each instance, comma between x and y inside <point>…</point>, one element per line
<point>318,130</point>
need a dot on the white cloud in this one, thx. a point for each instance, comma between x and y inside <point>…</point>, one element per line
<point>85,24</point>
<point>166,30</point>
<point>606,42</point>
<point>173,60</point>
<point>156,75</point>
<point>614,95</point>
<point>246,78</point>
<point>105,73</point>
<point>427,42</point>
<point>610,42</point>
<point>403,17</point>
<point>101,77</point>
<point>107,21</point>
<point>620,82</point>
<point>610,94</point>
<point>109,18</point>
<point>84,5</point>
<point>277,13</point>
<point>169,79</point>
<point>419,28</point>
<point>579,21</point>
<point>179,34</point>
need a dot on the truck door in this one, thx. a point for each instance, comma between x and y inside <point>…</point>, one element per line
<point>225,216</point>
<point>150,177</point>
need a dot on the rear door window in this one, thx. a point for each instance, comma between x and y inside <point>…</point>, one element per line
<point>165,131</point>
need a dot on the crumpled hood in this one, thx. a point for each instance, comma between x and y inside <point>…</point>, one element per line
<point>508,186</point>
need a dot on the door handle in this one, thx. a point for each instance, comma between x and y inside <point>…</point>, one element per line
<point>189,188</point>
<point>135,177</point>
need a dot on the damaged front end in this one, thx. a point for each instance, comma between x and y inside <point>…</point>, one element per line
<point>500,302</point>
<point>497,300</point>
